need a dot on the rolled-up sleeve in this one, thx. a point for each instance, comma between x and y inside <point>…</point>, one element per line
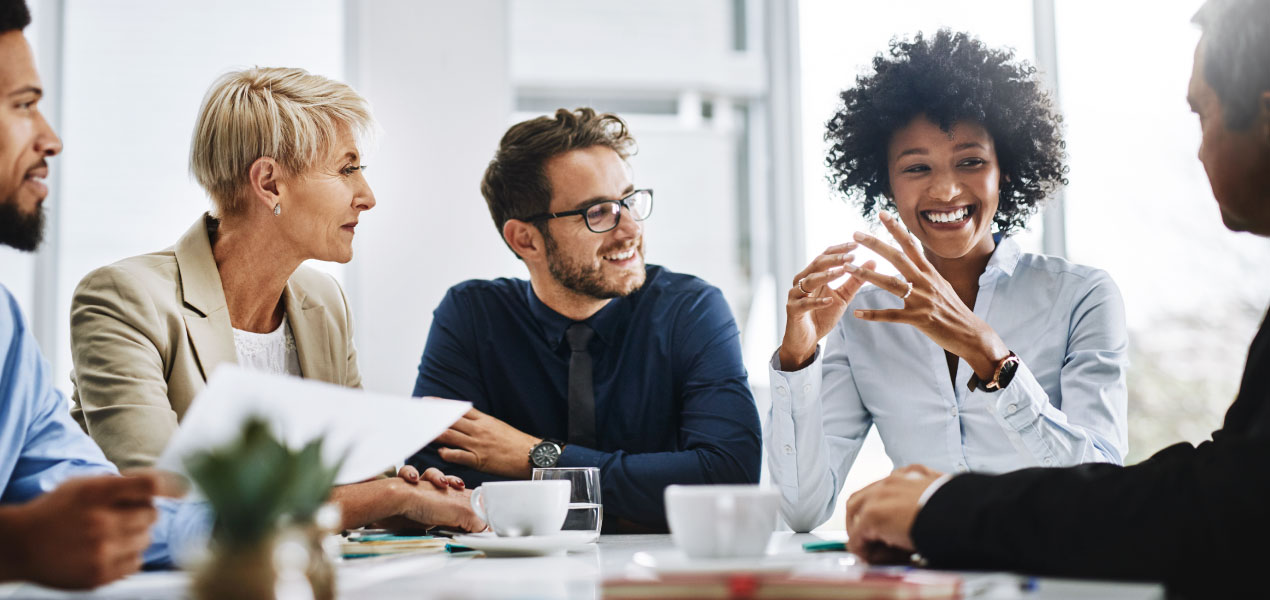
<point>45,447</point>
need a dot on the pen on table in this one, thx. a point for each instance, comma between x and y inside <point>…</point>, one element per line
<point>825,547</point>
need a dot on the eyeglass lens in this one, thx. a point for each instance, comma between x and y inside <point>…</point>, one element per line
<point>605,215</point>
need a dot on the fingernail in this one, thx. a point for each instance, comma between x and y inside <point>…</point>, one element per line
<point>884,216</point>
<point>850,267</point>
<point>858,314</point>
<point>859,237</point>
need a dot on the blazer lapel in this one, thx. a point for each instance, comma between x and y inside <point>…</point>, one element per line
<point>312,340</point>
<point>211,334</point>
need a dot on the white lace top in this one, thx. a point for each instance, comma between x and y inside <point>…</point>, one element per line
<point>272,352</point>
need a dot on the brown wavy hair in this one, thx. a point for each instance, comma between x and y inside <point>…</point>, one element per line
<point>515,185</point>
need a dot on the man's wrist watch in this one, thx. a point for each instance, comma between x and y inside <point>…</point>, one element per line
<point>1001,376</point>
<point>545,454</point>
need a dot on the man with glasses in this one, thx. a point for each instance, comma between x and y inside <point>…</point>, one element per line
<point>598,360</point>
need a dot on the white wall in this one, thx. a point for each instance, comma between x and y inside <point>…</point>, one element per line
<point>436,75</point>
<point>648,46</point>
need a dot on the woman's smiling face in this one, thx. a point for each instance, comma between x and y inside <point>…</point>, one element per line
<point>945,185</point>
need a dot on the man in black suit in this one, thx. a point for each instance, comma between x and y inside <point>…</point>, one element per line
<point>1195,517</point>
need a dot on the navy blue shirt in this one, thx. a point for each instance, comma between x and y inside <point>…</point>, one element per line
<point>671,400</point>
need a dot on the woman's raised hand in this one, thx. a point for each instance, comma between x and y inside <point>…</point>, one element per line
<point>812,307</point>
<point>930,302</point>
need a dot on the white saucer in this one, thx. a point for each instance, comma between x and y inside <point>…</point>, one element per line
<point>669,562</point>
<point>530,545</point>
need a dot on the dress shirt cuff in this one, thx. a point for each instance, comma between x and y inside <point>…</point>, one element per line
<point>1021,403</point>
<point>1018,409</point>
<point>581,456</point>
<point>794,391</point>
<point>180,536</point>
<point>932,488</point>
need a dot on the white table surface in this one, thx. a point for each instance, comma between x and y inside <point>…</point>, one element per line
<point>575,575</point>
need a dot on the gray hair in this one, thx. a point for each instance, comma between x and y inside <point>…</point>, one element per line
<point>1236,55</point>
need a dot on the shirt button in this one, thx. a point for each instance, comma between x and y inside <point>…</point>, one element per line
<point>807,389</point>
<point>962,467</point>
<point>1013,408</point>
<point>1049,462</point>
<point>780,391</point>
<point>788,449</point>
<point>954,412</point>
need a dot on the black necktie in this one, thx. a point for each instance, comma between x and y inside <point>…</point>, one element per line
<point>581,390</point>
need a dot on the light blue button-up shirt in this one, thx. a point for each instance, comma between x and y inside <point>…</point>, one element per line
<point>41,446</point>
<point>1066,404</point>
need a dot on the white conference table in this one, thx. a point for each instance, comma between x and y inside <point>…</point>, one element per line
<point>574,575</point>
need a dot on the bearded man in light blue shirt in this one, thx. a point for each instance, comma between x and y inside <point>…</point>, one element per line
<point>977,356</point>
<point>67,518</point>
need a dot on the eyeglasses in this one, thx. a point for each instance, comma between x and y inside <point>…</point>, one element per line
<point>606,215</point>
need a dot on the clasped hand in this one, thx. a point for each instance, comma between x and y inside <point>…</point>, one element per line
<point>931,304</point>
<point>880,517</point>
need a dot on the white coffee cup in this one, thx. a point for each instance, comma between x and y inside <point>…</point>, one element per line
<point>721,521</point>
<point>521,508</point>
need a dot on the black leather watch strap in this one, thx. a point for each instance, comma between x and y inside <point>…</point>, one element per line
<point>1001,378</point>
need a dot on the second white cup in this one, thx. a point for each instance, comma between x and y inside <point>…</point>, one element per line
<point>721,521</point>
<point>521,508</point>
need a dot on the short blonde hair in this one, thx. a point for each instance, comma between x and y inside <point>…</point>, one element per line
<point>289,115</point>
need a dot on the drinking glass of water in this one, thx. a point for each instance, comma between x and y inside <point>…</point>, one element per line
<point>586,511</point>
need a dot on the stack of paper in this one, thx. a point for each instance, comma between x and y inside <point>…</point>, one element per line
<point>380,545</point>
<point>872,585</point>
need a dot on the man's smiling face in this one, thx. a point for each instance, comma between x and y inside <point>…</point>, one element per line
<point>597,265</point>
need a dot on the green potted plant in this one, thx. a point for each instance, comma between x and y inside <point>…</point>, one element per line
<point>260,489</point>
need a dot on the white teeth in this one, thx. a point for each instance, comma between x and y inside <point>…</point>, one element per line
<point>622,256</point>
<point>947,217</point>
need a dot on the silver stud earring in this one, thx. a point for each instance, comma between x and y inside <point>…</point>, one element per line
<point>277,209</point>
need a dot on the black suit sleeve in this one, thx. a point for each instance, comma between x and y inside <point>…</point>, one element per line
<point>1186,516</point>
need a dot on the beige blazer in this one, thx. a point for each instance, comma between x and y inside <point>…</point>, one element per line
<point>147,331</point>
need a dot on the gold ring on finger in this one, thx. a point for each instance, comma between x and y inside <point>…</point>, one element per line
<point>908,291</point>
<point>803,289</point>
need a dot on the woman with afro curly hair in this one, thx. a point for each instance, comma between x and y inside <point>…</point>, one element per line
<point>977,356</point>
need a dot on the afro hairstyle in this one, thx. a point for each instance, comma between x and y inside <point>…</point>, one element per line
<point>949,78</point>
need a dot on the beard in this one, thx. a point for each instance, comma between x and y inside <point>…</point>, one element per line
<point>23,231</point>
<point>587,280</point>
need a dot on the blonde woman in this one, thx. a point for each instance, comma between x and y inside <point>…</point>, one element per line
<point>277,152</point>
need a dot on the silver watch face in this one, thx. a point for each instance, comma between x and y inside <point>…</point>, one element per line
<point>545,454</point>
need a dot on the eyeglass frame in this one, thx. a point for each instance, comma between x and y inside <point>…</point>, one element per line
<point>623,203</point>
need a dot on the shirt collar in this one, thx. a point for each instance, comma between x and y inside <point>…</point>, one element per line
<point>1004,259</point>
<point>606,323</point>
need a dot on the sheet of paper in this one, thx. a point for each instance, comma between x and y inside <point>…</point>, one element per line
<point>371,431</point>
